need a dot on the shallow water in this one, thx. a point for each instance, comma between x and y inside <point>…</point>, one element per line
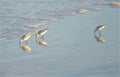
<point>72,51</point>
<point>19,17</point>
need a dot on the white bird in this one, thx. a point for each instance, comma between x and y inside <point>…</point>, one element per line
<point>42,32</point>
<point>26,37</point>
<point>100,28</point>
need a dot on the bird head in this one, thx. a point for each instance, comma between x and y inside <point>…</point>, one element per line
<point>21,40</point>
<point>104,25</point>
<point>37,35</point>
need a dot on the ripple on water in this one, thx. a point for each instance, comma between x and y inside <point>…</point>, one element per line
<point>17,18</point>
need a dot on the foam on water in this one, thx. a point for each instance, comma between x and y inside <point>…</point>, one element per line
<point>19,17</point>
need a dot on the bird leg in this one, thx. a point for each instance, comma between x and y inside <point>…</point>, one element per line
<point>36,37</point>
<point>100,33</point>
<point>26,42</point>
<point>42,37</point>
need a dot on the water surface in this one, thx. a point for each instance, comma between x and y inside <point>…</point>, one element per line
<point>72,51</point>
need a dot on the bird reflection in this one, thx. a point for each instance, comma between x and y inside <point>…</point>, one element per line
<point>97,34</point>
<point>42,42</point>
<point>99,38</point>
<point>26,48</point>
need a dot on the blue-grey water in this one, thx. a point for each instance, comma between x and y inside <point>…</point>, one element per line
<point>73,50</point>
